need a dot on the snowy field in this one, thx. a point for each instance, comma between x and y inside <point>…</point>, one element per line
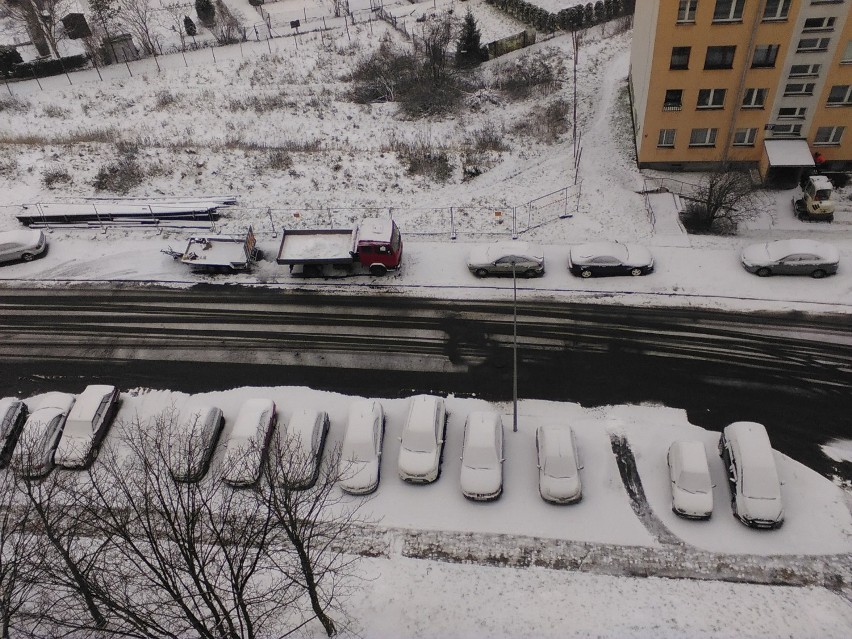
<point>201,127</point>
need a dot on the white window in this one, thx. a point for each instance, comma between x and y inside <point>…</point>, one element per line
<point>703,137</point>
<point>792,113</point>
<point>667,138</point>
<point>728,10</point>
<point>799,88</point>
<point>754,98</point>
<point>847,53</point>
<point>819,24</point>
<point>804,70</point>
<point>776,9</point>
<point>840,95</point>
<point>744,137</point>
<point>829,134</point>
<point>787,130</point>
<point>711,99</point>
<point>813,44</point>
<point>686,10</point>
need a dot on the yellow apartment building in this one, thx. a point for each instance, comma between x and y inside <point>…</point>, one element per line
<point>763,84</point>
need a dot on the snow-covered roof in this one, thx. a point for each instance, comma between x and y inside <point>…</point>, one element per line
<point>88,402</point>
<point>788,153</point>
<point>783,248</point>
<point>20,237</point>
<point>375,230</point>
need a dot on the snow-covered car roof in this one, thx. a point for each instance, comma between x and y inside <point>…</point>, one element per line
<point>375,230</point>
<point>486,253</point>
<point>600,249</point>
<point>89,401</point>
<point>252,418</point>
<point>24,238</point>
<point>480,429</point>
<point>782,248</point>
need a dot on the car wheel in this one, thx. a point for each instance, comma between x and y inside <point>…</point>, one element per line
<point>378,270</point>
<point>818,274</point>
<point>764,272</point>
<point>635,272</point>
<point>585,273</point>
<point>28,257</point>
<point>530,273</point>
<point>481,272</point>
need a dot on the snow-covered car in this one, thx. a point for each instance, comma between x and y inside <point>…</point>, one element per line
<point>482,457</point>
<point>361,453</point>
<point>791,257</point>
<point>422,440</point>
<point>598,259</point>
<point>752,475</point>
<point>86,426</point>
<point>247,442</point>
<point>497,259</point>
<point>21,245</point>
<point>200,428</point>
<point>558,465</point>
<point>40,435</point>
<point>13,414</point>
<point>304,440</point>
<point>692,488</point>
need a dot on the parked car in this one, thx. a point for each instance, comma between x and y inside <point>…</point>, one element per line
<point>598,259</point>
<point>692,488</point>
<point>361,453</point>
<point>86,426</point>
<point>21,245</point>
<point>791,257</point>
<point>422,441</point>
<point>482,457</point>
<point>13,414</point>
<point>304,440</point>
<point>497,259</point>
<point>40,435</point>
<point>558,465</point>
<point>752,475</point>
<point>200,428</point>
<point>247,443</point>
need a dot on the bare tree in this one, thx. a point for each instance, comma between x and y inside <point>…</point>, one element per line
<point>42,19</point>
<point>140,17</point>
<point>172,17</point>
<point>721,200</point>
<point>227,29</point>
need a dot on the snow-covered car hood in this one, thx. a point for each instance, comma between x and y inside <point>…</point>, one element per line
<point>359,477</point>
<point>692,504</point>
<point>72,450</point>
<point>638,255</point>
<point>418,464</point>
<point>559,488</point>
<point>768,510</point>
<point>756,254</point>
<point>241,465</point>
<point>481,482</point>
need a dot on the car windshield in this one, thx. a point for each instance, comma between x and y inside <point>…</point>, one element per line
<point>479,458</point>
<point>360,451</point>
<point>418,441</point>
<point>693,482</point>
<point>560,467</point>
<point>760,485</point>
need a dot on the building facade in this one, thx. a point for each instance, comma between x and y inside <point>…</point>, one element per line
<point>763,84</point>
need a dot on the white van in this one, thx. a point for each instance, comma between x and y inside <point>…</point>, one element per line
<point>422,440</point>
<point>752,475</point>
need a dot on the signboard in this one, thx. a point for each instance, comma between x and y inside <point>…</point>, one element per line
<point>294,24</point>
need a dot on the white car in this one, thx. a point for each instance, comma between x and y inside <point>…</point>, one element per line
<point>201,426</point>
<point>21,245</point>
<point>247,443</point>
<point>86,426</point>
<point>791,257</point>
<point>13,414</point>
<point>599,259</point>
<point>558,465</point>
<point>692,488</point>
<point>497,259</point>
<point>422,441</point>
<point>482,457</point>
<point>361,453</point>
<point>304,440</point>
<point>40,435</point>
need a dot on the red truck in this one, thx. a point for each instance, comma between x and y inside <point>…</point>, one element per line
<point>374,247</point>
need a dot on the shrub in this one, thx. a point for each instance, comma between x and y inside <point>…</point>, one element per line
<point>526,75</point>
<point>46,67</point>
<point>206,12</point>
<point>55,111</point>
<point>9,57</point>
<point>163,99</point>
<point>51,177</point>
<point>189,26</point>
<point>279,160</point>
<point>424,158</point>
<point>487,138</point>
<point>119,176</point>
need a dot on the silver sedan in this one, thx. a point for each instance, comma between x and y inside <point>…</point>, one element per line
<point>502,258</point>
<point>791,257</point>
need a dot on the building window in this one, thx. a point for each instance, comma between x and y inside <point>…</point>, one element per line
<point>765,56</point>
<point>703,137</point>
<point>847,53</point>
<point>667,138</point>
<point>728,11</point>
<point>840,95</point>
<point>804,70</point>
<point>787,130</point>
<point>792,113</point>
<point>673,100</point>
<point>819,24</point>
<point>776,9</point>
<point>812,44</point>
<point>711,99</point>
<point>680,58</point>
<point>719,58</point>
<point>686,10</point>
<point>754,98</point>
<point>744,137</point>
<point>829,134</point>
<point>799,88</point>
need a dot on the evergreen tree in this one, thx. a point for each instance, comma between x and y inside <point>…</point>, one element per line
<point>589,15</point>
<point>9,56</point>
<point>206,12</point>
<point>469,47</point>
<point>189,26</point>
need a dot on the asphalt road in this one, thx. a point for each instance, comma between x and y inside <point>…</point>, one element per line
<point>791,372</point>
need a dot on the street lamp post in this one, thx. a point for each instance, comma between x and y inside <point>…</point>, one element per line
<point>514,349</point>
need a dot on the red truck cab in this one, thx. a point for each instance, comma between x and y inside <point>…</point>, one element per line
<point>379,245</point>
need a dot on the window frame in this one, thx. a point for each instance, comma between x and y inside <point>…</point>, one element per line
<point>751,95</point>
<point>726,54</point>
<point>662,136</point>
<point>800,113</point>
<point>846,58</point>
<point>821,45</point>
<point>685,9</point>
<point>786,130</point>
<point>680,50</point>
<point>750,135</point>
<point>807,88</point>
<point>813,71</point>
<point>834,138</point>
<point>710,136</point>
<point>712,99</point>
<point>734,13</point>
<point>847,96</point>
<point>822,27</point>
<point>781,12</point>
<point>670,105</point>
<point>767,60</point>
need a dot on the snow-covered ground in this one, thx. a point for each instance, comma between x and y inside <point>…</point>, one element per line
<point>203,128</point>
